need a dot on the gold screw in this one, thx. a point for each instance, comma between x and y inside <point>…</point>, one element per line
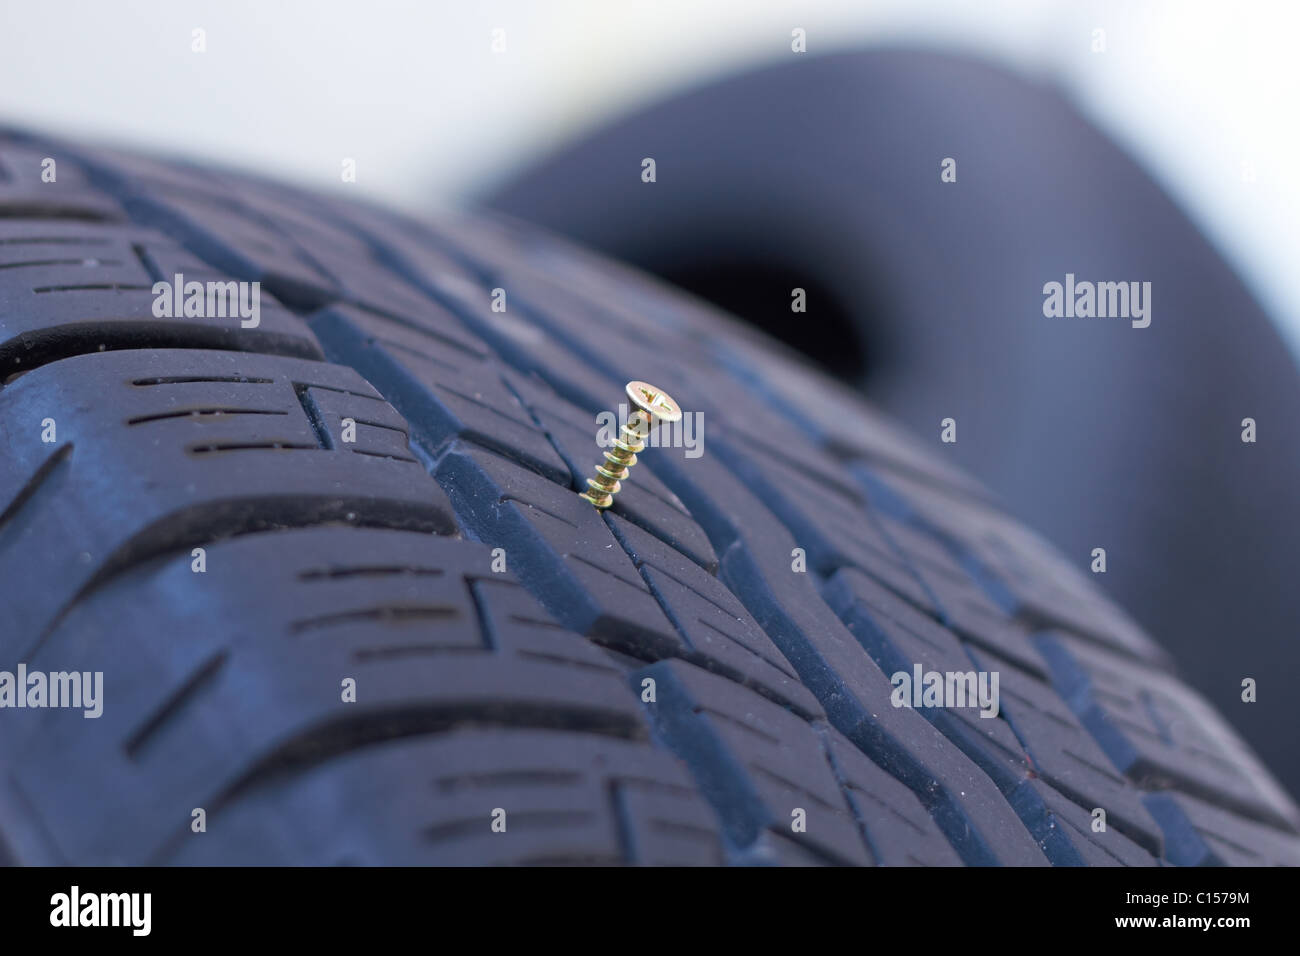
<point>652,406</point>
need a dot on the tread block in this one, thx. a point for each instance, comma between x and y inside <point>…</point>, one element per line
<point>27,193</point>
<point>984,567</point>
<point>569,799</point>
<point>989,741</point>
<point>835,667</point>
<point>195,208</point>
<point>237,241</point>
<point>393,610</point>
<point>1200,834</point>
<point>545,288</point>
<point>407,253</point>
<point>441,384</point>
<point>757,762</point>
<point>569,318</point>
<point>965,597</point>
<point>168,450</point>
<point>836,418</point>
<point>1161,734</point>
<point>832,523</point>
<point>717,632</point>
<point>521,340</point>
<point>73,287</point>
<point>898,829</point>
<point>900,639</point>
<point>1111,848</point>
<point>310,257</point>
<point>560,548</point>
<point>376,430</point>
<point>1065,755</point>
<point>337,248</point>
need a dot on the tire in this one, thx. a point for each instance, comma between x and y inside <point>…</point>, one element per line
<point>519,695</point>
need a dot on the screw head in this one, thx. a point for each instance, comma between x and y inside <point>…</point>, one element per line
<point>655,402</point>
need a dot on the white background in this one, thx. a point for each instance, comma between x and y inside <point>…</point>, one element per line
<point>412,91</point>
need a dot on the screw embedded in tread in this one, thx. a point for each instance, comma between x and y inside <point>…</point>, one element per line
<point>652,406</point>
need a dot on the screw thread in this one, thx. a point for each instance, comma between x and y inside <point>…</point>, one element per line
<point>619,460</point>
<point>652,407</point>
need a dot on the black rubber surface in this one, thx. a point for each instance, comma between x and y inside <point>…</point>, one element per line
<point>479,690</point>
